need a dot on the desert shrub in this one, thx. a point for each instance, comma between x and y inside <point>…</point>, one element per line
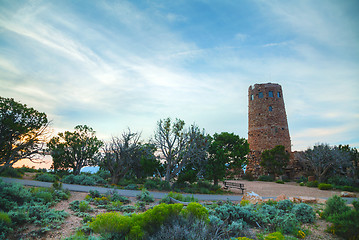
<point>333,206</point>
<point>280,181</point>
<point>248,176</point>
<point>338,180</point>
<point>12,195</point>
<point>11,172</point>
<point>83,179</point>
<point>45,177</point>
<point>302,184</point>
<point>57,185</point>
<point>184,228</point>
<point>346,223</point>
<point>274,236</point>
<point>325,186</point>
<point>127,208</point>
<point>244,202</point>
<point>145,196</point>
<point>104,174</point>
<point>5,225</point>
<point>101,200</point>
<point>231,213</point>
<point>285,223</point>
<point>266,178</point>
<point>313,184</point>
<point>114,196</point>
<point>304,213</point>
<point>84,206</point>
<point>196,210</point>
<point>19,215</point>
<point>285,205</point>
<point>43,196</point>
<point>136,225</point>
<point>94,193</point>
<point>151,184</point>
<point>131,186</point>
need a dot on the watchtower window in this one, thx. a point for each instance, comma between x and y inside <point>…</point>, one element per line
<point>252,97</point>
<point>270,108</point>
<point>260,95</point>
<point>270,94</point>
<point>278,94</point>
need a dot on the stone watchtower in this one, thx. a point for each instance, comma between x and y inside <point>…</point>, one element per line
<point>267,123</point>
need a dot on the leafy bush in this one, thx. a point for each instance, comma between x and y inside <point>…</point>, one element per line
<point>346,223</point>
<point>302,179</point>
<point>94,193</point>
<point>5,225</point>
<point>338,180</point>
<point>333,206</point>
<point>43,196</point>
<point>136,225</point>
<point>83,179</point>
<point>285,205</point>
<point>45,177</point>
<point>231,213</point>
<point>145,196</point>
<point>12,195</point>
<point>280,181</point>
<point>12,172</point>
<point>275,236</point>
<point>131,187</point>
<point>114,196</point>
<point>266,178</point>
<point>325,186</point>
<point>304,213</point>
<point>84,206</point>
<point>313,184</point>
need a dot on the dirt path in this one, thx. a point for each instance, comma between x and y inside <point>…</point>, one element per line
<point>72,222</point>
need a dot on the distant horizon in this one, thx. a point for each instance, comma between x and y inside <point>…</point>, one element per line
<point>114,65</point>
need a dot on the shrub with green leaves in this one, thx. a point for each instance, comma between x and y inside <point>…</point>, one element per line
<point>274,236</point>
<point>5,225</point>
<point>312,184</point>
<point>12,195</point>
<point>145,196</point>
<point>325,186</point>
<point>333,206</point>
<point>83,179</point>
<point>285,205</point>
<point>45,177</point>
<point>304,213</point>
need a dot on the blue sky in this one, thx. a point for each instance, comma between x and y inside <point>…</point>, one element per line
<point>119,64</point>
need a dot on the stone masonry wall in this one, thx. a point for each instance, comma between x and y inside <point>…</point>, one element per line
<point>267,122</point>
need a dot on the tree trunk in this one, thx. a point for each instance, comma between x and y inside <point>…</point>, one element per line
<point>215,182</point>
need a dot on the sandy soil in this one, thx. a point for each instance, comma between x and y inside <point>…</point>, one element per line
<point>290,189</point>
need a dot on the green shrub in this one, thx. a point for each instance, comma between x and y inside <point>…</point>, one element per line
<point>84,206</point>
<point>349,188</point>
<point>334,205</point>
<point>266,178</point>
<point>325,186</point>
<point>11,172</point>
<point>94,193</point>
<point>136,225</point>
<point>44,196</point>
<point>285,205</point>
<point>82,179</point>
<point>313,184</point>
<point>304,213</point>
<point>346,224</point>
<point>145,196</point>
<point>114,196</point>
<point>196,210</point>
<point>5,225</point>
<point>274,236</point>
<point>45,177</point>
<point>302,184</point>
<point>12,195</point>
<point>302,179</point>
<point>131,187</point>
<point>280,181</point>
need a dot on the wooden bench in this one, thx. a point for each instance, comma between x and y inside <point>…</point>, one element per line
<point>234,185</point>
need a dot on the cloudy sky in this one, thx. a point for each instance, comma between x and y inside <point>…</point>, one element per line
<point>119,64</point>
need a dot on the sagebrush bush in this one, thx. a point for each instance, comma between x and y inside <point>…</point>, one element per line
<point>285,205</point>
<point>325,186</point>
<point>304,213</point>
<point>12,195</point>
<point>266,178</point>
<point>275,236</point>
<point>45,177</point>
<point>145,196</point>
<point>5,225</point>
<point>83,179</point>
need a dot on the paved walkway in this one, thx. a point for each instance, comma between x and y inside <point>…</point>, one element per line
<point>157,195</point>
<point>124,192</point>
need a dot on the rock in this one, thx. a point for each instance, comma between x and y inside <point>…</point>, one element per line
<point>322,201</point>
<point>348,194</point>
<point>268,199</point>
<point>252,197</point>
<point>281,198</point>
<point>302,199</point>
